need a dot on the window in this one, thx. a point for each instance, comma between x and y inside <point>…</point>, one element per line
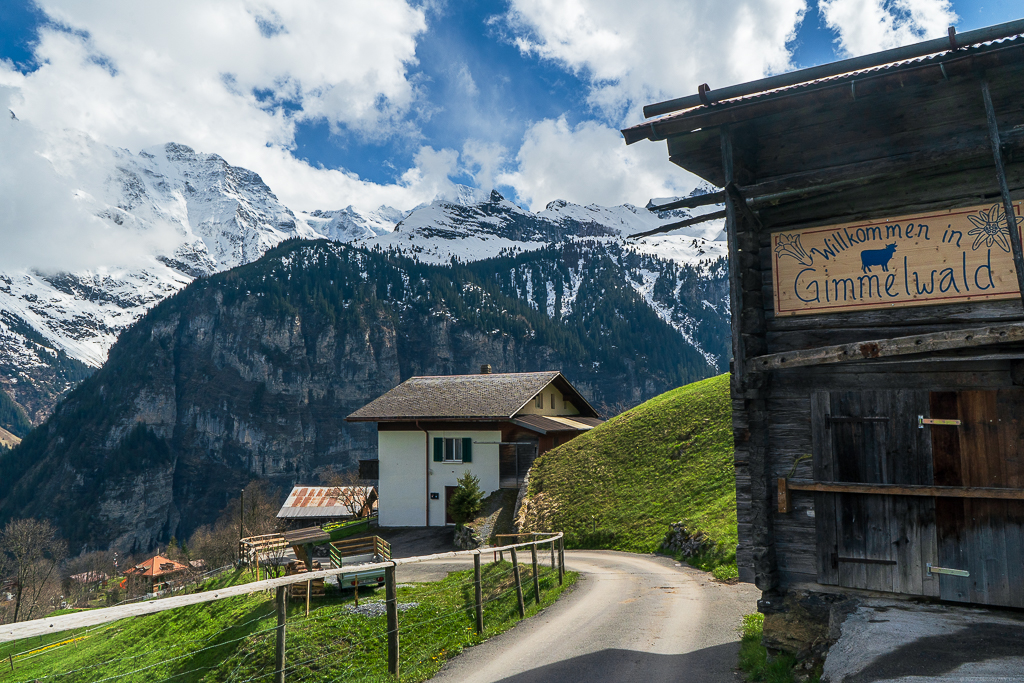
<point>453,450</point>
<point>540,401</point>
<point>552,401</point>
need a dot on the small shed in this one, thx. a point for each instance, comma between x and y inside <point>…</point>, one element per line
<point>878,329</point>
<point>314,505</point>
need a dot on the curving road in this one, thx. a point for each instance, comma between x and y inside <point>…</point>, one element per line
<point>629,618</point>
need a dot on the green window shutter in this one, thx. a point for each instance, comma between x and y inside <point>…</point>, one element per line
<point>438,449</point>
<point>467,449</point>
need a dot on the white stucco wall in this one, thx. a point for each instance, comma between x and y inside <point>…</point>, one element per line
<point>401,484</point>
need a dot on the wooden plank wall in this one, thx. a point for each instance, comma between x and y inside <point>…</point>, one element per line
<point>772,413</point>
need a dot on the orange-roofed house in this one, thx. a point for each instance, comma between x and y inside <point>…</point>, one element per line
<point>157,570</point>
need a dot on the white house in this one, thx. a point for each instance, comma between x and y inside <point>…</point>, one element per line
<point>431,430</point>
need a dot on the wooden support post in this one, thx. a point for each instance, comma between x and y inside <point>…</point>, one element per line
<point>478,586</point>
<point>282,616</point>
<point>561,559</point>
<point>536,579</point>
<point>355,590</point>
<point>1004,190</point>
<point>309,589</point>
<point>552,553</point>
<point>391,602</point>
<point>10,659</point>
<point>735,291</point>
<point>519,584</point>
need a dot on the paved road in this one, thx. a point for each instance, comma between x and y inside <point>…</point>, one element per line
<point>629,618</point>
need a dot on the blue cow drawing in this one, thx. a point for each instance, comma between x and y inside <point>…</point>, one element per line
<point>876,257</point>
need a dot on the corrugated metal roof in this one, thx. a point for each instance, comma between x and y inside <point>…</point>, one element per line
<point>322,501</point>
<point>550,423</point>
<point>453,397</point>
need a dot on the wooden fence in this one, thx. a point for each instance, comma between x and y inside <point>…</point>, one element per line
<point>65,622</point>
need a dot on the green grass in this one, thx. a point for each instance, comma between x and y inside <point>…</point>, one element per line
<point>754,660</point>
<point>233,639</point>
<point>620,485</point>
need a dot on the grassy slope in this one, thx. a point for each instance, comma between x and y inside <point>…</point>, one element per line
<point>233,639</point>
<point>620,485</point>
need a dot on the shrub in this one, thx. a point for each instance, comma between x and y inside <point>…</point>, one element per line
<point>466,500</point>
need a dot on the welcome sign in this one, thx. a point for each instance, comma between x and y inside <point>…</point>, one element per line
<point>933,258</point>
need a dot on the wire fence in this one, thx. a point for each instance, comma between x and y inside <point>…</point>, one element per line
<point>238,633</point>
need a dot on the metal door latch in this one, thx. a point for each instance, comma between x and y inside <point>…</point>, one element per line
<point>922,421</point>
<point>943,570</point>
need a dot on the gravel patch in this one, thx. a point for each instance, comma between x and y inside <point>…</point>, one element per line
<point>376,608</point>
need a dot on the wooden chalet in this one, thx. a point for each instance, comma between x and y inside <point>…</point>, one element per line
<point>432,430</point>
<point>878,331</point>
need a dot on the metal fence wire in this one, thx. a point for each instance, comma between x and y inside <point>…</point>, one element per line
<point>409,630</point>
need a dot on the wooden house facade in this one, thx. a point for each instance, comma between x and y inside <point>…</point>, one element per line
<point>878,329</point>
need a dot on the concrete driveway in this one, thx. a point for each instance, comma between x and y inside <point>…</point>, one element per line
<point>629,618</point>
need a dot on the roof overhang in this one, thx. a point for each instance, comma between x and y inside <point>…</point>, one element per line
<point>937,59</point>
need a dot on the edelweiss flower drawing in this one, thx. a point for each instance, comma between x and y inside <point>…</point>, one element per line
<point>789,245</point>
<point>991,228</point>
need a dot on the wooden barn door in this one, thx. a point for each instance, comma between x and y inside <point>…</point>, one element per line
<point>875,542</point>
<point>982,537</point>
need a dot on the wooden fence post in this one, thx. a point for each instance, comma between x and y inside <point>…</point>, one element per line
<point>391,601</point>
<point>477,579</point>
<point>536,579</point>
<point>282,616</point>
<point>561,560</point>
<point>552,553</point>
<point>519,584</point>
<point>309,589</point>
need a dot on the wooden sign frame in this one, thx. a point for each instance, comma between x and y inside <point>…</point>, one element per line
<point>932,258</point>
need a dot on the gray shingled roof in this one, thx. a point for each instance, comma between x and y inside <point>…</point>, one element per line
<point>493,396</point>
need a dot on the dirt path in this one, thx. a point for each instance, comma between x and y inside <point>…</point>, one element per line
<point>629,618</point>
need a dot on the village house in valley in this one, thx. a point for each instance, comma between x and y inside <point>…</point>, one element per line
<point>878,332</point>
<point>431,430</point>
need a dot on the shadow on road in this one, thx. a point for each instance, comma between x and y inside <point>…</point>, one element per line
<point>708,665</point>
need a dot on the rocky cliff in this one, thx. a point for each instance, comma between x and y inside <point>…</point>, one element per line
<point>251,372</point>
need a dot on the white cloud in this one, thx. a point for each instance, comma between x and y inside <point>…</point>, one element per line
<point>589,163</point>
<point>46,224</point>
<point>865,26</point>
<point>482,161</point>
<point>135,74</point>
<point>633,53</point>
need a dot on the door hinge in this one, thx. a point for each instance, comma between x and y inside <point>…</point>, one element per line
<point>942,570</point>
<point>922,421</point>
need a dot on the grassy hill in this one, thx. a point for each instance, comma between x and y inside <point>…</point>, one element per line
<point>621,485</point>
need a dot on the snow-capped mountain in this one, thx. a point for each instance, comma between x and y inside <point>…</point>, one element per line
<point>195,214</point>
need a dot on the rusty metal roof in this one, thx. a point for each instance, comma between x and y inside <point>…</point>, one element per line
<point>323,501</point>
<point>497,396</point>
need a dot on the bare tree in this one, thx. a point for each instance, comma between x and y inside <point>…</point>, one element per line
<point>218,543</point>
<point>349,489</point>
<point>33,551</point>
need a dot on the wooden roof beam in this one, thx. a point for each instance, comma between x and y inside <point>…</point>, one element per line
<point>883,348</point>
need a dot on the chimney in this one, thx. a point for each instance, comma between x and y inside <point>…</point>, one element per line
<point>485,369</point>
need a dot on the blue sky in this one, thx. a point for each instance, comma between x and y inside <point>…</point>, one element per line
<point>335,105</point>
